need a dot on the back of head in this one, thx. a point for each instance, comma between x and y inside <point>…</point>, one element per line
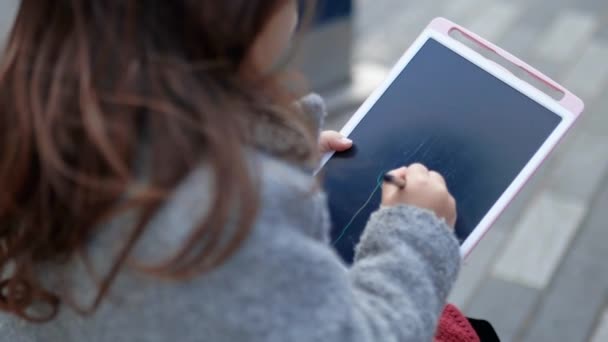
<point>83,85</point>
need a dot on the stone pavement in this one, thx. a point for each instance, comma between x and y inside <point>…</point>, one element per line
<point>541,274</point>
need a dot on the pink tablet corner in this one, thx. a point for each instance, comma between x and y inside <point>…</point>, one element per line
<point>570,101</point>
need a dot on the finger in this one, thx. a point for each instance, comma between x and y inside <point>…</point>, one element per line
<point>452,201</point>
<point>400,173</point>
<point>435,176</point>
<point>454,207</point>
<point>334,141</point>
<point>388,191</point>
<point>418,168</point>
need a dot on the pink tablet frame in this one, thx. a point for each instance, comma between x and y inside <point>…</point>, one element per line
<point>570,102</point>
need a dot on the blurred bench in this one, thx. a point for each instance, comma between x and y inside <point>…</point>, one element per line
<point>325,57</point>
<point>8,10</point>
<point>325,54</point>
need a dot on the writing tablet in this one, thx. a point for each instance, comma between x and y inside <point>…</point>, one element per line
<point>446,106</point>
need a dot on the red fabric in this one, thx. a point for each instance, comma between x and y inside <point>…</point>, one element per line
<point>455,327</point>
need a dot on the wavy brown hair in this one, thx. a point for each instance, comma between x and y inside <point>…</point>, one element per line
<point>84,87</point>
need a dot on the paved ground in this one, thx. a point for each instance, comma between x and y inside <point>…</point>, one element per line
<point>541,273</point>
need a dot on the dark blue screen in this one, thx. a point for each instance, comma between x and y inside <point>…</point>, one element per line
<point>454,117</point>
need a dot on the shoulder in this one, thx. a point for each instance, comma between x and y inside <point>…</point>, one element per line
<point>290,197</point>
<point>289,230</point>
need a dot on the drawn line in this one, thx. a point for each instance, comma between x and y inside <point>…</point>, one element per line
<point>419,148</point>
<point>369,199</point>
<point>429,147</point>
<point>428,140</point>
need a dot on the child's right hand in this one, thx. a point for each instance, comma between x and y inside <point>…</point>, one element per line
<point>425,189</point>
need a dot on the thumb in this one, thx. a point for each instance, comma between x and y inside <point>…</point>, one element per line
<point>334,141</point>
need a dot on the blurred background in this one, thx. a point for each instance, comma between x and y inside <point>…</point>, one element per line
<point>541,274</point>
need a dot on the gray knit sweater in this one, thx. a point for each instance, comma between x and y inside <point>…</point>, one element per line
<point>284,284</point>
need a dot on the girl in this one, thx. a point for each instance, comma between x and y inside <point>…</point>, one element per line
<point>156,186</point>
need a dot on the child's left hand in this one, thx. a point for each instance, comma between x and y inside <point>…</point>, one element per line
<point>333,141</point>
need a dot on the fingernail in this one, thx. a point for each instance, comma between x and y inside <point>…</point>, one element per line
<point>346,141</point>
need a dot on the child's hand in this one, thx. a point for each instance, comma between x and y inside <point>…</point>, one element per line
<point>334,141</point>
<point>424,189</point>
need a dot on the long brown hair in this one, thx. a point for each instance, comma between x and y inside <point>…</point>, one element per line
<point>83,85</point>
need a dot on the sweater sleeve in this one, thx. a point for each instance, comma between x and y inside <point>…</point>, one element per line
<point>405,265</point>
<point>285,285</point>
